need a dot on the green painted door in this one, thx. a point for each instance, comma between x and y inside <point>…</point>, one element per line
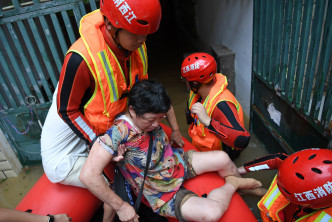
<point>291,74</point>
<point>34,37</point>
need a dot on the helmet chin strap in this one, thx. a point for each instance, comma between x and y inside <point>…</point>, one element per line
<point>114,33</point>
<point>194,86</point>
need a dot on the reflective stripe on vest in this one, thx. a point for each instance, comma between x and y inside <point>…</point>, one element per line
<point>142,52</point>
<point>272,196</point>
<point>110,76</point>
<point>323,217</point>
<point>318,216</point>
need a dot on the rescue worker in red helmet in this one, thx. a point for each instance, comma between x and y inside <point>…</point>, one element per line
<point>213,113</point>
<point>98,71</point>
<point>302,188</point>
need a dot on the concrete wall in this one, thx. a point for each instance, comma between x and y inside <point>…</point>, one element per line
<point>230,23</point>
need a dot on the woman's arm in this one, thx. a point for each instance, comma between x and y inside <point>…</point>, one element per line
<point>176,134</point>
<point>91,176</point>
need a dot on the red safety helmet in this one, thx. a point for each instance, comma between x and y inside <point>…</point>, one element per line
<point>140,17</point>
<point>199,67</point>
<point>305,178</point>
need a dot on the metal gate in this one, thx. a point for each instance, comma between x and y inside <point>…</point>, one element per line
<point>34,37</point>
<point>291,82</point>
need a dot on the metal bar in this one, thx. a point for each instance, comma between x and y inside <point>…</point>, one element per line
<point>42,50</point>
<point>255,38</point>
<point>43,9</point>
<point>287,39</point>
<point>313,52</point>
<point>34,58</point>
<point>50,41</point>
<point>280,10</point>
<point>274,13</point>
<point>305,32</point>
<point>93,5</point>
<point>82,8</point>
<point>59,33</point>
<point>68,26</point>
<point>25,63</point>
<point>297,14</point>
<point>3,102</point>
<point>13,14</point>
<point>260,39</point>
<point>4,85</point>
<point>267,41</point>
<point>15,66</point>
<point>77,14</point>
<point>16,5</point>
<point>324,60</point>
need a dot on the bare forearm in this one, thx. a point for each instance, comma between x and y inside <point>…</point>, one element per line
<point>171,118</point>
<point>9,215</point>
<point>97,185</point>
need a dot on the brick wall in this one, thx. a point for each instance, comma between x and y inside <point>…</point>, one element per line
<point>10,166</point>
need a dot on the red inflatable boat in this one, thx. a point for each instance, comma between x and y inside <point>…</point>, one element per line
<point>49,198</point>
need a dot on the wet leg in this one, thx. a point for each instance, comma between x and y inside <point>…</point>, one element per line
<point>215,205</point>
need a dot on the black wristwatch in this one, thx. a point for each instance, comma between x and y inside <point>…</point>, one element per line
<point>50,218</point>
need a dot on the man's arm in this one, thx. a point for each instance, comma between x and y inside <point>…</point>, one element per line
<point>75,88</point>
<point>9,215</point>
<point>224,123</point>
<point>176,134</point>
<point>91,176</point>
<point>269,162</point>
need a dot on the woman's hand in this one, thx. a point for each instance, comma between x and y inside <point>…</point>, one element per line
<point>121,151</point>
<point>176,137</point>
<point>127,213</point>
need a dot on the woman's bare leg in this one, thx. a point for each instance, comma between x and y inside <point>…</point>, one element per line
<point>215,205</point>
<point>218,161</point>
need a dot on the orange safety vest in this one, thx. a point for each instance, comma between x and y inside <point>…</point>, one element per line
<point>203,139</point>
<point>273,202</point>
<point>110,82</point>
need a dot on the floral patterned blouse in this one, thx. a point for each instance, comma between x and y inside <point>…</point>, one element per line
<point>166,171</point>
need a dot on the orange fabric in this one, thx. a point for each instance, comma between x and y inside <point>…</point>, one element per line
<point>106,101</point>
<point>202,138</point>
<point>273,203</point>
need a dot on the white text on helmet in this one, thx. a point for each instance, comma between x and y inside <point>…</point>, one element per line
<point>125,9</point>
<point>316,193</point>
<point>190,67</point>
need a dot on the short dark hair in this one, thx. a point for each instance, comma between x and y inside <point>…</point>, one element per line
<point>149,96</point>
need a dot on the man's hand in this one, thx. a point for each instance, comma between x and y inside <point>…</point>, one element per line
<point>121,151</point>
<point>127,213</point>
<point>61,218</point>
<point>177,138</point>
<point>201,113</point>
